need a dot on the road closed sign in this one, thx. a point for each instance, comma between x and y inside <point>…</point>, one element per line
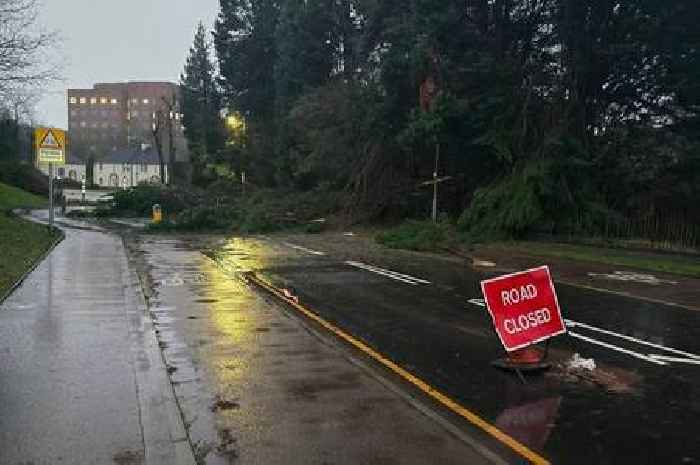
<point>524,307</point>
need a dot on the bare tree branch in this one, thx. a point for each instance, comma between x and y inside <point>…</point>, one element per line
<point>27,61</point>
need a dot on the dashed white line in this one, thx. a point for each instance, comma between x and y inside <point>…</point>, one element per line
<point>304,249</point>
<point>408,279</point>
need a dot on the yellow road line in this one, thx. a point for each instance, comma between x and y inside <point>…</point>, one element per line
<point>473,418</point>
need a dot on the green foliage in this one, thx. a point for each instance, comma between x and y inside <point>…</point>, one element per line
<point>21,244</point>
<point>332,128</point>
<point>139,200</point>
<point>558,116</point>
<point>259,212</point>
<point>24,176</point>
<point>510,206</point>
<point>12,197</point>
<point>418,235</point>
<point>201,105</point>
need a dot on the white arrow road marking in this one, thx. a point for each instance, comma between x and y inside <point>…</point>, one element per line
<point>389,274</point>
<point>304,249</point>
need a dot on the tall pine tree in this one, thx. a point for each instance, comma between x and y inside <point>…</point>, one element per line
<point>201,103</point>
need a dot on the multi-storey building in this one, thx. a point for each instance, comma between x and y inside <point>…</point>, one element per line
<point>126,116</point>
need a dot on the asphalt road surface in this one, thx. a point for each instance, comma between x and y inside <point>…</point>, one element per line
<point>639,405</point>
<point>256,386</point>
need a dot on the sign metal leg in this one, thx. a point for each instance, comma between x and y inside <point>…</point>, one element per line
<point>51,194</point>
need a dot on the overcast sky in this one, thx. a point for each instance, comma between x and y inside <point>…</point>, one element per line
<point>119,40</point>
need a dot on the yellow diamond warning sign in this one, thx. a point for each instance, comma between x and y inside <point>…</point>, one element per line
<point>51,145</point>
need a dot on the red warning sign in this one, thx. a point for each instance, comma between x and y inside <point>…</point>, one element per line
<point>524,307</point>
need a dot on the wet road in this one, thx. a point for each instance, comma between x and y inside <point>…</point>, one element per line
<point>640,405</point>
<point>256,386</point>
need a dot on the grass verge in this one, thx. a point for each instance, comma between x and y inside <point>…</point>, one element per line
<point>685,265</point>
<point>21,242</point>
<point>424,236</point>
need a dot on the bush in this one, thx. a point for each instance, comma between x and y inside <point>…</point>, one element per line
<point>139,200</point>
<point>418,235</point>
<point>204,217</point>
<point>24,176</point>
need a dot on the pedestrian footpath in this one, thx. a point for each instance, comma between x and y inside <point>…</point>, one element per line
<point>82,380</point>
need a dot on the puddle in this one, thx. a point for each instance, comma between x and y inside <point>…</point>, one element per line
<point>224,404</point>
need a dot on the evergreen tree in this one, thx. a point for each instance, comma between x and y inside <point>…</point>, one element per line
<point>201,103</point>
<point>244,39</point>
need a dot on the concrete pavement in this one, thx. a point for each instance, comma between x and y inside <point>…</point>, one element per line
<point>82,380</point>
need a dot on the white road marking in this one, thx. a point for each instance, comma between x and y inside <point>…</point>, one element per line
<point>388,273</point>
<point>574,324</point>
<point>665,358</point>
<point>657,359</point>
<point>304,249</point>
<point>634,277</point>
<point>616,348</point>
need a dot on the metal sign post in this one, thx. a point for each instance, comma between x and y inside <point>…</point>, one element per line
<point>51,148</point>
<point>51,194</point>
<point>435,183</point>
<point>435,186</point>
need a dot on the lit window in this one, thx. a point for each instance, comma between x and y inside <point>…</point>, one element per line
<point>134,114</point>
<point>93,100</point>
<point>114,101</point>
<point>145,101</point>
<point>103,100</point>
<point>73,100</point>
<point>83,100</point>
<point>83,124</point>
<point>134,101</point>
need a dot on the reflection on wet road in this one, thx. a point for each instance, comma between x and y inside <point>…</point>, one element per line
<point>255,386</point>
<point>628,410</point>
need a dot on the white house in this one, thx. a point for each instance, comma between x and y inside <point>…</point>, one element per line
<point>118,169</point>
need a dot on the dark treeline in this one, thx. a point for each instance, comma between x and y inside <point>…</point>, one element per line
<point>563,116</point>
